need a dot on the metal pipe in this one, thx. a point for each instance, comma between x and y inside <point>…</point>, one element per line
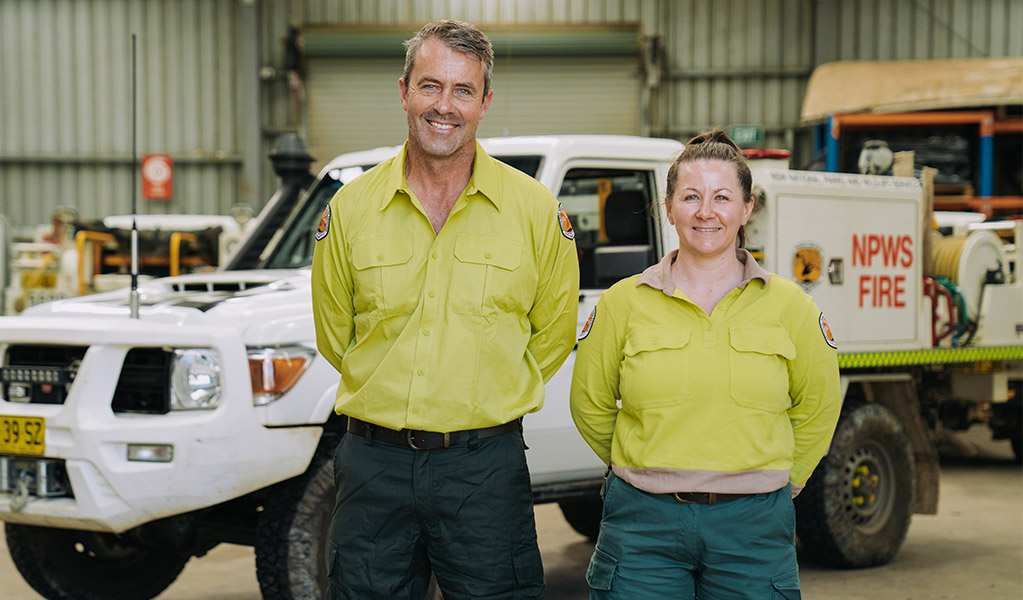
<point>60,160</point>
<point>175,250</point>
<point>97,238</point>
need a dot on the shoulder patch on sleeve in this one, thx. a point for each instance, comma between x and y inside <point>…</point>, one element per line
<point>324,226</point>
<point>566,225</point>
<point>828,336</point>
<point>589,324</point>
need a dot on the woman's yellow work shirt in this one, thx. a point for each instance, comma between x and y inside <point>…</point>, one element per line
<point>743,400</point>
<point>452,330</point>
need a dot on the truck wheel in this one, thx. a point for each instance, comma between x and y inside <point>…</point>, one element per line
<point>583,515</point>
<point>292,535</point>
<point>66,564</point>
<point>855,510</point>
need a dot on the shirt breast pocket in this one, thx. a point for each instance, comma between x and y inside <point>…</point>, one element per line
<point>384,279</point>
<point>487,276</point>
<point>654,371</point>
<point>758,367</point>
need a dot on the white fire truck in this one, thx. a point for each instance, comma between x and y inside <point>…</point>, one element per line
<point>128,446</point>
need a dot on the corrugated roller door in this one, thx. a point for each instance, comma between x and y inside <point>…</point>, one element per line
<point>563,95</point>
<point>354,104</point>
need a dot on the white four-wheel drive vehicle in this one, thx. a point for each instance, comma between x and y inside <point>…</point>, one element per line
<point>129,445</point>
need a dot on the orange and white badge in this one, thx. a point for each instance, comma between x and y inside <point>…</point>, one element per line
<point>566,225</point>
<point>324,226</point>
<point>828,336</point>
<point>589,324</point>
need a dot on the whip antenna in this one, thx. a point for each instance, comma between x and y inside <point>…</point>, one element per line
<point>134,176</point>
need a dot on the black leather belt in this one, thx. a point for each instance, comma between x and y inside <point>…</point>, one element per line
<point>427,440</point>
<point>707,497</point>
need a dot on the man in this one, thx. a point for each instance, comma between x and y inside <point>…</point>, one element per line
<point>445,290</point>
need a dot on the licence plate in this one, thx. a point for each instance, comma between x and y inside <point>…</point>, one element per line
<point>22,435</point>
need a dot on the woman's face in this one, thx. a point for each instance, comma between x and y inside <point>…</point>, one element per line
<point>707,208</point>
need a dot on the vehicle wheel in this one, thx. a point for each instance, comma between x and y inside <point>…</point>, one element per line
<point>66,564</point>
<point>584,515</point>
<point>855,510</point>
<point>293,533</point>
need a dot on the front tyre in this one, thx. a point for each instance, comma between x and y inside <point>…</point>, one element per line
<point>584,515</point>
<point>855,510</point>
<point>66,564</point>
<point>293,533</point>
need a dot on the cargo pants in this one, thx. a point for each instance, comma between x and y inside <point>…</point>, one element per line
<point>464,512</point>
<point>652,546</point>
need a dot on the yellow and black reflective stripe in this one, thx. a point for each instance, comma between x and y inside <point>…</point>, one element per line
<point>930,356</point>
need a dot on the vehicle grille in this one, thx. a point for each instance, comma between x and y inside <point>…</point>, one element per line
<point>144,383</point>
<point>216,287</point>
<point>43,374</point>
<point>39,373</point>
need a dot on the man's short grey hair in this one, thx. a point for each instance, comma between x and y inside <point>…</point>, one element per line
<point>457,35</point>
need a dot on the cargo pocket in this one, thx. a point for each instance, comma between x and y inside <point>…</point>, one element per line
<point>528,573</point>
<point>786,586</point>
<point>654,372</point>
<point>383,275</point>
<point>758,367</point>
<point>600,575</point>
<point>485,276</point>
<point>333,571</point>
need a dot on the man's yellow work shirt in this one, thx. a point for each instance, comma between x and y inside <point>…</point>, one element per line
<point>452,330</point>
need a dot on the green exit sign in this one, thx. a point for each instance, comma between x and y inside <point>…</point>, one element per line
<point>746,135</point>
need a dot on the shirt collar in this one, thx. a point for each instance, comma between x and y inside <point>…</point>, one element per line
<point>483,179</point>
<point>659,276</point>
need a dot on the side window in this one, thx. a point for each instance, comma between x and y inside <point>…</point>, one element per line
<point>611,212</point>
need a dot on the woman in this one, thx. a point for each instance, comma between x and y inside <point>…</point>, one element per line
<point>711,389</point>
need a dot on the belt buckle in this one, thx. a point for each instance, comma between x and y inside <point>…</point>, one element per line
<point>711,498</point>
<point>410,439</point>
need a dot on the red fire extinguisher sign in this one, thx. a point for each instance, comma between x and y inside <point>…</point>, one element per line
<point>157,177</point>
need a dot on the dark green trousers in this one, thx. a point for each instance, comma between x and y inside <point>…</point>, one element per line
<point>464,512</point>
<point>652,547</point>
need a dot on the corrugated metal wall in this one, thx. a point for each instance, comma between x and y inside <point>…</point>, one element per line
<point>734,62</point>
<point>64,74</point>
<point>909,29</point>
<point>723,62</point>
<point>65,104</point>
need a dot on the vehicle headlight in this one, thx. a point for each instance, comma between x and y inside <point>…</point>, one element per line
<point>195,379</point>
<point>275,370</point>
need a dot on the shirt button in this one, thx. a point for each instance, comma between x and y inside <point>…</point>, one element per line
<point>420,372</point>
<point>434,255</point>
<point>415,411</point>
<point>426,332</point>
<point>430,294</point>
<point>380,257</point>
<point>486,255</point>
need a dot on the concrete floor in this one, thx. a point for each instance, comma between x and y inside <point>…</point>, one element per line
<point>971,550</point>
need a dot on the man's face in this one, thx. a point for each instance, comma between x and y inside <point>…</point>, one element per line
<point>444,99</point>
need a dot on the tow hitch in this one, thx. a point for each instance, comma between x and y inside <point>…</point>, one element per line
<point>26,477</point>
